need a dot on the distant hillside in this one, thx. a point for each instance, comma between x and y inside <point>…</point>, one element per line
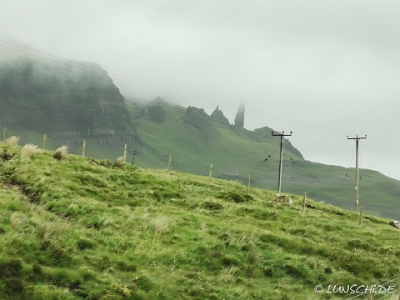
<point>67,100</point>
<point>196,140</point>
<point>72,101</point>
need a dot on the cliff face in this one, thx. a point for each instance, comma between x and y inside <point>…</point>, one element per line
<point>66,100</point>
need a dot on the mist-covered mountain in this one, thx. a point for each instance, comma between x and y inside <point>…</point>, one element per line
<point>64,99</point>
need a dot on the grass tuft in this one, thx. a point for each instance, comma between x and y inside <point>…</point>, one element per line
<point>45,229</point>
<point>84,243</point>
<point>255,256</point>
<point>120,161</point>
<point>227,273</point>
<point>162,224</point>
<point>29,150</point>
<point>12,141</point>
<point>16,219</point>
<point>60,153</point>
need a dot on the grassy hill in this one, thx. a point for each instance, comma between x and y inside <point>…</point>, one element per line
<point>196,140</point>
<point>79,228</point>
<point>72,101</point>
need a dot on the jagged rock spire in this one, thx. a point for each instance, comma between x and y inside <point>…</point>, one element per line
<point>239,119</point>
<point>218,115</point>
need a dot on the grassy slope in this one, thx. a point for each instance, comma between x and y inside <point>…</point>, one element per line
<point>84,229</point>
<point>236,152</point>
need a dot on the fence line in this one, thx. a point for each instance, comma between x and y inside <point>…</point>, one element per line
<point>391,295</point>
<point>196,167</point>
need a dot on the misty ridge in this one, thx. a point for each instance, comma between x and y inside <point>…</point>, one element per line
<point>28,64</point>
<point>56,95</point>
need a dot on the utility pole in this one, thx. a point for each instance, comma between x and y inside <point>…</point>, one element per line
<point>357,139</point>
<point>281,157</point>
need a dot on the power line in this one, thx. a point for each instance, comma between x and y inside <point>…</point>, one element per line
<point>269,156</point>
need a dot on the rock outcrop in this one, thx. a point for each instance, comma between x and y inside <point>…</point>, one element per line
<point>218,116</point>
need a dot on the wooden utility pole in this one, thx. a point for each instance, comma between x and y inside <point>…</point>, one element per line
<point>357,139</point>
<point>361,214</point>
<point>282,135</point>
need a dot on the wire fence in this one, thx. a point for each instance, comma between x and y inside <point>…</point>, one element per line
<point>263,174</point>
<point>388,290</point>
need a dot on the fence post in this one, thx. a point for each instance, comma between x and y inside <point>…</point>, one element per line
<point>4,133</point>
<point>361,214</point>
<point>303,209</point>
<point>369,295</point>
<point>169,163</point>
<point>83,148</point>
<point>125,149</point>
<point>211,169</point>
<point>248,183</point>
<point>44,141</point>
<point>398,288</point>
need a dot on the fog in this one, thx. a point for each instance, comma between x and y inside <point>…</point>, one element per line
<point>322,69</point>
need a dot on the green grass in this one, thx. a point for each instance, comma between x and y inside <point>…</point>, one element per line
<point>80,228</point>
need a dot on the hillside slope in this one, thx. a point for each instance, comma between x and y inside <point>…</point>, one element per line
<point>196,140</point>
<point>75,228</point>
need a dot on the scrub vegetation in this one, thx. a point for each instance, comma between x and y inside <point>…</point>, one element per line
<point>80,228</point>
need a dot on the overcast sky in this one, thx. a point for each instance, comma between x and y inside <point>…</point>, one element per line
<point>322,69</point>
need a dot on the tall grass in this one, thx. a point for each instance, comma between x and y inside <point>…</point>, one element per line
<point>12,141</point>
<point>120,161</point>
<point>60,152</point>
<point>29,150</point>
<point>162,224</point>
